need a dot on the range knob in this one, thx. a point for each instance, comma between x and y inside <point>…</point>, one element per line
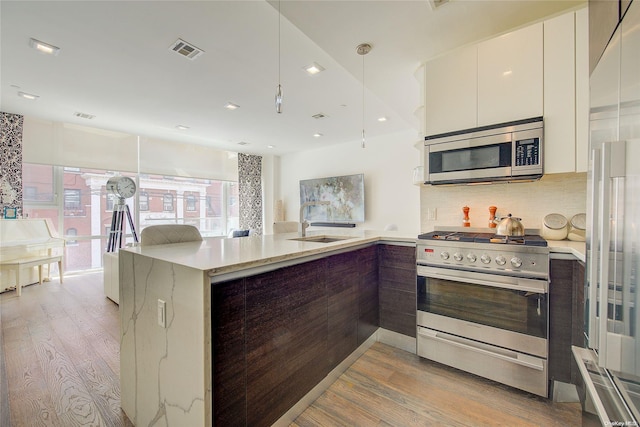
<point>486,259</point>
<point>471,257</point>
<point>516,262</point>
<point>500,260</point>
<point>444,255</point>
<point>457,256</point>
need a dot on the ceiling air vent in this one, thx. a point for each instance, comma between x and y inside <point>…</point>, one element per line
<point>84,115</point>
<point>185,49</point>
<point>319,116</point>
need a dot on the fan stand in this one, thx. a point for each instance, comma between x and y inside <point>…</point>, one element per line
<point>117,225</point>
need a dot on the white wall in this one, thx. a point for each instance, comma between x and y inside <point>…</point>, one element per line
<point>387,164</point>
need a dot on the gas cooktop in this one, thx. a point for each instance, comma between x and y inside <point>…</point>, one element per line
<point>479,237</point>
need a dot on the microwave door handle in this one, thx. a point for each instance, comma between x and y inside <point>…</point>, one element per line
<point>594,246</point>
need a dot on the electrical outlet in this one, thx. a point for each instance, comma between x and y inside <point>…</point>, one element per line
<point>162,313</point>
<point>432,214</point>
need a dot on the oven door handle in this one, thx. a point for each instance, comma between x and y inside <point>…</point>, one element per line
<point>515,283</point>
<point>511,357</point>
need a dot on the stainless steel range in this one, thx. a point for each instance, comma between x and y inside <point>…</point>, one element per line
<point>482,305</point>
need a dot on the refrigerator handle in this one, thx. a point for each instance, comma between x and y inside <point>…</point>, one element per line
<point>594,251</point>
<point>604,234</point>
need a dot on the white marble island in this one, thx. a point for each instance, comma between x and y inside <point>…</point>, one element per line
<point>167,371</point>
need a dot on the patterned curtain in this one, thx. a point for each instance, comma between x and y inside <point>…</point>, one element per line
<point>250,192</point>
<point>11,161</point>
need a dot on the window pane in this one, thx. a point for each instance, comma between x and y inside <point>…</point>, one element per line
<point>144,201</point>
<point>72,200</point>
<point>168,202</point>
<point>38,183</point>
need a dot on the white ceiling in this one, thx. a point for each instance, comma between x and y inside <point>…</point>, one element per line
<point>115,63</point>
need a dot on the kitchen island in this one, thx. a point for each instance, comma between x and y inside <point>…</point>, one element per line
<point>238,331</point>
<point>248,331</point>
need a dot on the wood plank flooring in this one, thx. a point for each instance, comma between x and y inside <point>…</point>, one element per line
<point>59,366</point>
<point>60,360</point>
<point>391,387</point>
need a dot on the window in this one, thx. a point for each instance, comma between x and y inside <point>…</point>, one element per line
<point>111,201</point>
<point>72,200</point>
<point>71,232</point>
<point>167,202</point>
<point>30,193</point>
<point>77,204</point>
<point>144,201</point>
<point>191,203</point>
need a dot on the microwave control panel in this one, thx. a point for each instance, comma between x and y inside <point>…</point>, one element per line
<point>527,152</point>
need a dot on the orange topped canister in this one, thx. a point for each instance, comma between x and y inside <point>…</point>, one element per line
<point>465,220</point>
<point>492,216</point>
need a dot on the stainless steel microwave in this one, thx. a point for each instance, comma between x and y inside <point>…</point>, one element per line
<point>510,151</point>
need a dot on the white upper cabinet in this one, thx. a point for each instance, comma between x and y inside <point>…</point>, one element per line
<point>451,91</point>
<point>559,94</point>
<point>510,76</point>
<point>582,90</point>
<point>539,70</point>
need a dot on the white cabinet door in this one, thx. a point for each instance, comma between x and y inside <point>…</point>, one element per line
<point>510,76</point>
<point>451,92</point>
<point>559,95</point>
<point>582,89</point>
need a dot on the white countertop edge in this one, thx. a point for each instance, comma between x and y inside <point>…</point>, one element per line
<point>219,256</point>
<point>577,249</point>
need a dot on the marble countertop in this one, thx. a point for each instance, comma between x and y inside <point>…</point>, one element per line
<point>577,249</point>
<point>226,255</point>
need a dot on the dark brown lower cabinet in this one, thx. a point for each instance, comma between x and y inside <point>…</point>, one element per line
<point>276,335</point>
<point>368,302</point>
<point>566,317</point>
<point>397,288</point>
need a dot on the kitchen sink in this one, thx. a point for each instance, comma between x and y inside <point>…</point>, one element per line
<point>322,239</point>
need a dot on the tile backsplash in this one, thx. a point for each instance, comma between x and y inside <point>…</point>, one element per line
<point>565,194</point>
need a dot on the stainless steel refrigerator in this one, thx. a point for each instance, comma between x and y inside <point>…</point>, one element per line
<point>610,366</point>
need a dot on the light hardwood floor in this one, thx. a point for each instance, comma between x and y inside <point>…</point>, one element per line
<point>59,366</point>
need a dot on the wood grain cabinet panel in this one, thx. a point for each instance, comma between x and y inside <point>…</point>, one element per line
<point>229,368</point>
<point>342,299</point>
<point>566,318</point>
<point>286,338</point>
<point>560,313</point>
<point>368,300</point>
<point>397,289</point>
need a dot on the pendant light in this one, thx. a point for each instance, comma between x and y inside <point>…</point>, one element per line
<point>362,50</point>
<point>279,88</point>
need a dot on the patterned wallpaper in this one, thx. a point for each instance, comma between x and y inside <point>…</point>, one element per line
<point>250,192</point>
<point>11,161</point>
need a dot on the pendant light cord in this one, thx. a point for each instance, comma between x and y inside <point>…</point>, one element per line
<point>362,50</point>
<point>363,142</point>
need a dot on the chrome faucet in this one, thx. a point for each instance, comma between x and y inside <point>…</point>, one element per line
<point>303,225</point>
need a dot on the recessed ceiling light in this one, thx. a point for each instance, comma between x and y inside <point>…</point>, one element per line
<point>317,135</point>
<point>231,106</point>
<point>243,143</point>
<point>182,127</point>
<point>28,96</point>
<point>43,47</point>
<point>507,73</point>
<point>314,68</point>
<point>84,115</point>
<point>382,119</point>
<point>319,116</point>
<point>271,146</point>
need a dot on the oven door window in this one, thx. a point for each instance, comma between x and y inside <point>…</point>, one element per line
<point>514,310</point>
